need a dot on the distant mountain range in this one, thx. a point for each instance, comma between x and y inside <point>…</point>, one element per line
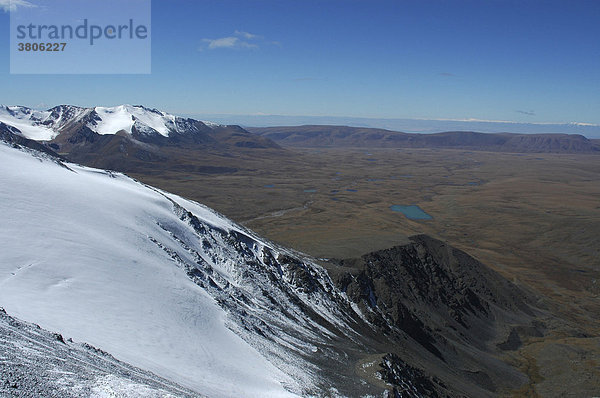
<point>134,138</point>
<point>123,137</point>
<point>343,136</point>
<point>423,126</point>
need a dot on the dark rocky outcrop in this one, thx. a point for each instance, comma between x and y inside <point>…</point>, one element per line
<point>453,307</point>
<point>408,381</point>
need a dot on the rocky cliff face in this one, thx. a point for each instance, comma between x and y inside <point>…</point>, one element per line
<point>448,303</point>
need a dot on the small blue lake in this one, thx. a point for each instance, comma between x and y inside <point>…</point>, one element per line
<point>412,212</point>
<point>310,190</point>
<point>352,190</point>
<point>269,186</point>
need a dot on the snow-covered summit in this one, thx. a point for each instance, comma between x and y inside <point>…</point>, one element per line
<point>47,125</point>
<point>124,117</point>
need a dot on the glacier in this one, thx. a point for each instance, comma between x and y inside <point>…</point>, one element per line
<point>160,282</point>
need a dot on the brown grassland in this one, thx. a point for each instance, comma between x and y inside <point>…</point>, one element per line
<point>535,218</point>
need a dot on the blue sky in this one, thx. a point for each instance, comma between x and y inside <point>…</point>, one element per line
<point>527,61</point>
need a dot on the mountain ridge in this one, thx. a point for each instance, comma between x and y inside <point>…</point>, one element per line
<point>101,120</point>
<point>64,124</point>
<point>314,136</point>
<point>131,138</point>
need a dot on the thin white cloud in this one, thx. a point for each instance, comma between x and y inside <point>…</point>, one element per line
<point>239,40</point>
<point>228,42</point>
<point>506,121</point>
<point>246,35</point>
<point>224,42</point>
<point>584,124</point>
<point>13,5</point>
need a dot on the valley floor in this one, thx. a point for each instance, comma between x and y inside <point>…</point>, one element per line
<point>534,218</point>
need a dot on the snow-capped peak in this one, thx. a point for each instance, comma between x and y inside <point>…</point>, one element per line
<point>124,117</point>
<point>47,125</point>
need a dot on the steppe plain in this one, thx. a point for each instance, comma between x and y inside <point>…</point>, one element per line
<point>535,218</point>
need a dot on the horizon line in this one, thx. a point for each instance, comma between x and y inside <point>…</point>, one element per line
<point>464,120</point>
<point>582,124</point>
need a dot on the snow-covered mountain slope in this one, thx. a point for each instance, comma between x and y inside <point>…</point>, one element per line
<point>47,125</point>
<point>39,363</point>
<point>161,282</point>
<point>28,122</point>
